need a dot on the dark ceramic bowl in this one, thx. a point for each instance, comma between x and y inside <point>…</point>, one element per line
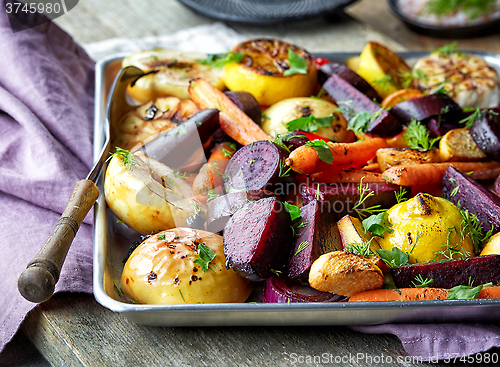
<point>264,12</point>
<point>476,30</point>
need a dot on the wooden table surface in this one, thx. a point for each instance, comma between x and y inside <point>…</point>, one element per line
<point>74,330</point>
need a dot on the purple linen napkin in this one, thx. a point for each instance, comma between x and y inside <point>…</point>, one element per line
<point>46,113</point>
<point>433,342</point>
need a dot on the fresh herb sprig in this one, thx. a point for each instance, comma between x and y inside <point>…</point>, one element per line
<point>473,227</point>
<point>378,224</point>
<point>322,150</point>
<point>466,291</point>
<point>311,123</point>
<point>360,207</point>
<point>362,248</point>
<point>420,282</point>
<point>204,257</point>
<point>302,246</point>
<point>450,48</point>
<point>297,64</point>
<point>394,257</point>
<point>473,8</point>
<point>218,61</point>
<point>129,159</point>
<point>417,136</point>
<point>409,76</point>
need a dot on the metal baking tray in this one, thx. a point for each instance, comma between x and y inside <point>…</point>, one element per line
<point>112,241</point>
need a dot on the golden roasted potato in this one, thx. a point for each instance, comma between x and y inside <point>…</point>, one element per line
<point>136,205</point>
<point>165,269</point>
<point>458,145</point>
<point>492,247</point>
<point>344,273</point>
<point>388,157</point>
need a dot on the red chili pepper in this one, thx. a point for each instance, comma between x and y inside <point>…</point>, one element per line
<point>320,61</point>
<point>313,136</point>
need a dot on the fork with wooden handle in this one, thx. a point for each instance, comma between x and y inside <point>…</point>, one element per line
<point>36,283</point>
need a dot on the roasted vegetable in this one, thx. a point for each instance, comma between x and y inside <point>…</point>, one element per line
<point>474,270</point>
<point>423,108</point>
<point>316,235</point>
<point>486,133</point>
<point>271,70</point>
<point>307,114</point>
<point>344,273</point>
<point>389,157</point>
<point>353,101</point>
<point>179,266</point>
<point>258,239</point>
<point>458,145</point>
<point>468,79</point>
<point>169,73</point>
<point>247,103</point>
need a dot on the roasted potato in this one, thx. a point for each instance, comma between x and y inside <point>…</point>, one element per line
<point>458,145</point>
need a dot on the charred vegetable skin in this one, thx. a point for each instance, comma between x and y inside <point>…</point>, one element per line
<point>474,197</point>
<point>316,236</point>
<point>424,108</point>
<point>342,91</point>
<point>486,133</point>
<point>326,70</point>
<point>258,239</point>
<point>283,290</point>
<point>476,270</point>
<point>257,166</point>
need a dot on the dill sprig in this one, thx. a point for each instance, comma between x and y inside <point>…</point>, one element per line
<point>360,207</point>
<point>417,136</point>
<point>129,159</point>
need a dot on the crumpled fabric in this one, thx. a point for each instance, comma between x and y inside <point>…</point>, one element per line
<point>46,119</point>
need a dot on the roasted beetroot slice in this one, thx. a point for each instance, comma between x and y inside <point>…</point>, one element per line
<point>338,199</point>
<point>318,236</point>
<point>256,166</point>
<point>247,103</point>
<point>474,197</point>
<point>486,133</point>
<point>441,124</point>
<point>342,91</point>
<point>424,108</point>
<point>496,185</point>
<point>327,70</point>
<point>222,208</point>
<point>283,290</point>
<point>258,239</point>
<point>294,139</point>
<point>448,274</point>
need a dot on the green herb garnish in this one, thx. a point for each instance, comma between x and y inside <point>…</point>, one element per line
<point>212,195</point>
<point>360,206</point>
<point>362,248</point>
<point>466,291</point>
<point>218,61</point>
<point>440,90</point>
<point>293,210</point>
<point>204,257</point>
<point>473,8</point>
<point>302,247</point>
<point>393,258</point>
<point>284,169</point>
<point>473,227</point>
<point>297,64</point>
<point>400,194</point>
<point>322,150</point>
<point>378,224</point>
<point>450,48</point>
<point>417,136</point>
<point>409,76</point>
<point>276,272</point>
<point>311,123</point>
<point>129,159</point>
<point>421,282</point>
<point>385,82</point>
<point>161,236</point>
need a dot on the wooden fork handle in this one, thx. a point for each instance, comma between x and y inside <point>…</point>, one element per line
<point>36,283</point>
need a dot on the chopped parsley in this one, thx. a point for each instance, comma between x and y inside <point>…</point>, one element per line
<point>204,257</point>
<point>322,150</point>
<point>297,64</point>
<point>218,61</point>
<point>310,123</point>
<point>466,291</point>
<point>393,258</point>
<point>293,210</point>
<point>378,224</point>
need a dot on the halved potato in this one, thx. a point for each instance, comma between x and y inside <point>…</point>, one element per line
<point>458,145</point>
<point>136,205</point>
<point>162,270</point>
<point>345,274</point>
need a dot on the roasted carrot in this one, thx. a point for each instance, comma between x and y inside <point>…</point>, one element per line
<point>305,159</point>
<point>415,294</point>
<point>400,96</point>
<point>402,294</point>
<point>372,167</point>
<point>210,175</point>
<point>331,176</point>
<point>233,120</point>
<point>432,173</point>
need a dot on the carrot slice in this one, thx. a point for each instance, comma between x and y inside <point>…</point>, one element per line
<point>415,294</point>
<point>400,96</point>
<point>432,173</point>
<point>233,120</point>
<point>356,176</point>
<point>355,155</point>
